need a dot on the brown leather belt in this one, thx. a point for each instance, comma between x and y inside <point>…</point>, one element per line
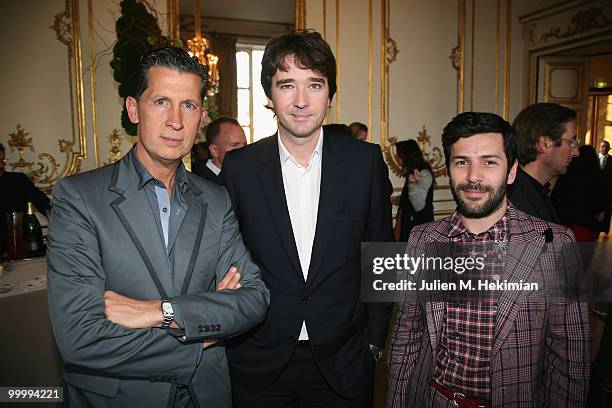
<point>459,399</point>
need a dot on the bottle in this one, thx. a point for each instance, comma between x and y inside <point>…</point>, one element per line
<point>16,248</point>
<point>32,233</point>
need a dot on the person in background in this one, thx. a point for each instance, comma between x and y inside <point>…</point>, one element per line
<point>578,197</point>
<point>338,128</point>
<point>359,131</point>
<point>605,164</point>
<point>222,135</point>
<point>199,154</point>
<point>547,143</point>
<point>416,201</point>
<point>16,189</point>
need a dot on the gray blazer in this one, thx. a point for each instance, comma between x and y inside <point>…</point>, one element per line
<point>102,236</point>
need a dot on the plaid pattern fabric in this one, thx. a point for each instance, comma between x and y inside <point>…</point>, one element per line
<point>464,358</point>
<point>540,354</point>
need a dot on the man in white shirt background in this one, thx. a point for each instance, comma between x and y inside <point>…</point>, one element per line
<point>222,135</point>
<point>605,163</point>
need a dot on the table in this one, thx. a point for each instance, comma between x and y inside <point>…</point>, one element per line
<point>28,354</point>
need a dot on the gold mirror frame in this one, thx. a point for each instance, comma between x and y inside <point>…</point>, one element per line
<point>68,31</point>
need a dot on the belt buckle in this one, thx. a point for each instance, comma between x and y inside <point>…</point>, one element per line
<point>457,397</point>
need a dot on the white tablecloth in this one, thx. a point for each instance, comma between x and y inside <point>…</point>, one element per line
<point>23,277</point>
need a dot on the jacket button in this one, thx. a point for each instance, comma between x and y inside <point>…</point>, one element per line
<point>305,299</point>
<point>204,328</point>
<point>293,339</point>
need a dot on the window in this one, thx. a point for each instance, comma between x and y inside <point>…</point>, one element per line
<point>256,120</point>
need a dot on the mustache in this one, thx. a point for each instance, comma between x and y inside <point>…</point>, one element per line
<point>474,187</point>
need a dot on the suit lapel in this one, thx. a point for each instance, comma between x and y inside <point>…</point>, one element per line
<point>129,207</point>
<point>524,250</point>
<point>435,312</point>
<point>271,179</point>
<point>330,200</point>
<point>189,237</point>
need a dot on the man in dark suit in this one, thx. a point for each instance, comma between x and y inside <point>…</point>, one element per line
<point>605,163</point>
<point>16,189</point>
<point>503,347</point>
<point>547,143</point>
<point>147,271</point>
<point>305,199</point>
<point>222,135</point>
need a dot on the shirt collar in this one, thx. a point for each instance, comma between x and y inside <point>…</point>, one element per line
<point>213,167</point>
<point>542,189</point>
<point>499,230</point>
<point>285,155</point>
<point>144,177</point>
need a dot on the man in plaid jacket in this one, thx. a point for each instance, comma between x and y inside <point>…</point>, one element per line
<point>517,348</point>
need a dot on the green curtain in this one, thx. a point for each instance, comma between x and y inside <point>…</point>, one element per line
<point>224,46</point>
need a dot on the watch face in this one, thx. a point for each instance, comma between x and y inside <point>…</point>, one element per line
<point>167,309</point>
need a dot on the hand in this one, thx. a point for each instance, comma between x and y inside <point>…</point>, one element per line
<point>414,177</point>
<point>231,280</point>
<point>209,343</point>
<point>132,313</point>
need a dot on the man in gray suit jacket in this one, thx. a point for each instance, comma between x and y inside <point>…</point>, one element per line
<point>147,271</point>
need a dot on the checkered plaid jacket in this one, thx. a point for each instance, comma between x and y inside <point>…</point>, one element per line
<point>540,356</point>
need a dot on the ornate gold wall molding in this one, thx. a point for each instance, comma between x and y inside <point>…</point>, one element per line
<point>38,172</point>
<point>560,28</point>
<point>507,59</point>
<point>115,139</point>
<point>300,14</point>
<point>580,23</point>
<point>73,163</point>
<point>434,156</point>
<point>174,27</point>
<point>67,30</point>
<point>338,84</point>
<point>455,58</point>
<point>461,61</point>
<point>370,68</point>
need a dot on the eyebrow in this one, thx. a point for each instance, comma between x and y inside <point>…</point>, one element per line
<point>291,80</point>
<point>484,156</point>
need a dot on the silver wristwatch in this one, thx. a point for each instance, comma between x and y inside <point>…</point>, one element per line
<point>168,311</point>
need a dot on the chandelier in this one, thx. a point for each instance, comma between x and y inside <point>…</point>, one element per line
<point>198,47</point>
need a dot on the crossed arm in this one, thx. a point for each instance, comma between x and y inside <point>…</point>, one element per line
<point>147,314</point>
<point>117,336</point>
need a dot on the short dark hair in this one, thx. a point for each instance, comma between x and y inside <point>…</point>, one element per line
<point>339,128</point>
<point>214,128</point>
<point>356,127</point>
<point>468,124</point>
<point>309,50</point>
<point>2,148</point>
<point>603,141</point>
<point>537,120</point>
<point>173,58</point>
<point>412,156</point>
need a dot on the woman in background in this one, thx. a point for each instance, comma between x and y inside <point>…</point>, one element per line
<point>416,201</point>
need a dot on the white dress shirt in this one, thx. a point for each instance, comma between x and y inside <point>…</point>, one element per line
<point>212,167</point>
<point>302,188</point>
<point>602,160</point>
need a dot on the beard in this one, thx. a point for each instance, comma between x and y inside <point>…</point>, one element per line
<point>472,209</point>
